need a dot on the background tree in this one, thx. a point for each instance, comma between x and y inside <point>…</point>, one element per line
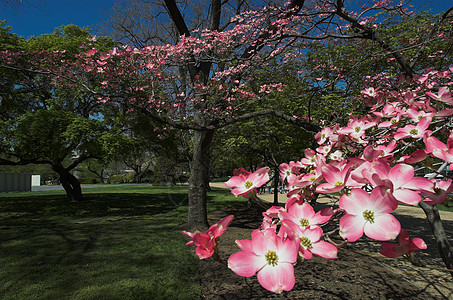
<point>47,124</point>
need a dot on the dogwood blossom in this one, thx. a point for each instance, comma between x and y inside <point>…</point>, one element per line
<point>405,247</point>
<point>369,214</point>
<point>270,257</point>
<point>206,242</point>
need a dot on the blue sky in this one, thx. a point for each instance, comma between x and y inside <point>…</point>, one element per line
<point>42,16</point>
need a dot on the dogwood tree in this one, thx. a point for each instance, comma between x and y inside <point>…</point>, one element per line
<point>200,84</point>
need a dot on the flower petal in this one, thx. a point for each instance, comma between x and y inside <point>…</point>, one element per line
<point>277,278</point>
<point>385,227</point>
<point>246,263</point>
<point>351,227</point>
<point>353,203</point>
<point>401,174</point>
<point>407,196</point>
<point>325,250</point>
<point>387,249</point>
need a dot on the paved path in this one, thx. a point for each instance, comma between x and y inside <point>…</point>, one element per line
<point>84,186</point>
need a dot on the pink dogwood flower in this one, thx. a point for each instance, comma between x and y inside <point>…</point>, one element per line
<point>441,191</point>
<point>304,216</point>
<point>443,95</point>
<point>311,243</point>
<point>369,214</point>
<point>414,131</point>
<point>336,178</point>
<point>405,247</point>
<point>400,179</point>
<point>439,149</point>
<point>323,135</point>
<point>270,257</point>
<point>289,171</point>
<point>356,128</point>
<point>206,242</point>
<point>245,184</point>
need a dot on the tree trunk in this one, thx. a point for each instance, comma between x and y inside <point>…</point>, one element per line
<point>69,182</point>
<point>100,175</point>
<point>138,174</point>
<point>276,179</point>
<point>199,179</point>
<point>433,217</point>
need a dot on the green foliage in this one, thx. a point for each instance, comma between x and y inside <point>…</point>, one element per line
<point>68,38</point>
<point>88,180</point>
<point>124,178</point>
<point>52,135</point>
<point>8,40</point>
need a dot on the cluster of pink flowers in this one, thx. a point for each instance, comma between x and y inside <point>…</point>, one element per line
<point>206,242</point>
<point>368,166</point>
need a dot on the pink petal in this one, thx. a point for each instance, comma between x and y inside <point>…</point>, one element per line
<point>351,227</point>
<point>245,245</point>
<point>188,233</point>
<point>246,263</point>
<point>424,123</point>
<point>277,278</point>
<point>381,201</point>
<point>417,244</point>
<point>204,253</point>
<point>220,227</point>
<point>403,238</point>
<point>433,143</point>
<point>306,253</point>
<point>353,203</point>
<point>331,174</point>
<point>264,240</point>
<point>328,188</point>
<point>407,196</point>
<point>288,250</point>
<point>385,227</point>
<point>419,183</point>
<point>387,249</point>
<point>301,211</point>
<point>236,181</point>
<point>202,238</point>
<point>313,234</point>
<point>325,250</point>
<point>400,174</point>
<point>322,216</point>
<point>289,229</point>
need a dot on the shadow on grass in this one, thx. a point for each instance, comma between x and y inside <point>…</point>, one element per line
<point>115,245</point>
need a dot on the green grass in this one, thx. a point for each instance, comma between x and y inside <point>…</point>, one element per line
<point>120,243</point>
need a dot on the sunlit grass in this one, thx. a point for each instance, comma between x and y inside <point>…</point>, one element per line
<point>120,243</point>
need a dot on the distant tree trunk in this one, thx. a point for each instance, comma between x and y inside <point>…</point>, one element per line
<point>199,179</point>
<point>276,180</point>
<point>138,173</point>
<point>101,177</point>
<point>99,174</point>
<point>69,182</point>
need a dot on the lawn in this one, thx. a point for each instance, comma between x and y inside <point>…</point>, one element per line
<point>120,243</point>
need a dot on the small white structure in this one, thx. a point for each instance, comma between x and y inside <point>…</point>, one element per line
<point>15,182</point>
<point>35,180</point>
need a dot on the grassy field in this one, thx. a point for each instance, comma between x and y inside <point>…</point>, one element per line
<point>120,243</point>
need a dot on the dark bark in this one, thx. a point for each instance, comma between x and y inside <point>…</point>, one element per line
<point>199,179</point>
<point>69,182</point>
<point>445,250</point>
<point>276,180</point>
